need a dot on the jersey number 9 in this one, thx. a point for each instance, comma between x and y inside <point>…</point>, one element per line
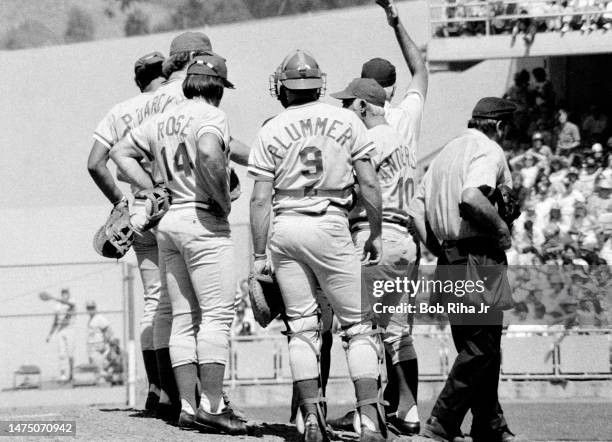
<point>312,159</point>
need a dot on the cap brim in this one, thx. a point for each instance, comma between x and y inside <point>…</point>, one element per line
<point>303,83</point>
<point>343,95</point>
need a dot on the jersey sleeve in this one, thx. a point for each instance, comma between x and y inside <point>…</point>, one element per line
<point>261,163</point>
<point>106,132</point>
<point>412,110</point>
<point>362,146</point>
<point>216,123</point>
<point>484,168</point>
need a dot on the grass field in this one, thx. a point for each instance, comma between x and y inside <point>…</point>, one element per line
<point>533,421</point>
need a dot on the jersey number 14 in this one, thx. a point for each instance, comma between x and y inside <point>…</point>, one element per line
<point>180,162</point>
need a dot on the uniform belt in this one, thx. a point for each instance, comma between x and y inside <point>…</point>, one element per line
<point>331,210</point>
<point>310,192</point>
<point>355,223</point>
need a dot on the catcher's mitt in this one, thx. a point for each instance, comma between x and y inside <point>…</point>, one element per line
<point>266,299</point>
<point>157,202</point>
<point>505,200</point>
<point>115,237</point>
<point>234,186</point>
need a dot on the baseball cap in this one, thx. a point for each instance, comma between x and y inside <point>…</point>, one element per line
<point>537,136</point>
<point>148,60</point>
<point>367,89</point>
<point>494,108</point>
<point>90,305</point>
<point>380,70</point>
<point>604,183</point>
<point>190,41</point>
<point>212,65</point>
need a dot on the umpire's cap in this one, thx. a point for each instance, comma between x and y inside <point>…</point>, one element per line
<point>494,108</point>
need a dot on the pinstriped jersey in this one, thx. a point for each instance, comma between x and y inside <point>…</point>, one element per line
<point>308,152</point>
<point>395,165</point>
<point>170,140</point>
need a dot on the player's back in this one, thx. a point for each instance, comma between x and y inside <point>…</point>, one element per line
<point>132,112</point>
<point>308,150</point>
<point>171,140</point>
<point>395,165</point>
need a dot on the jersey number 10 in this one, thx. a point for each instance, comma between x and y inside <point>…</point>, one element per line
<point>181,161</point>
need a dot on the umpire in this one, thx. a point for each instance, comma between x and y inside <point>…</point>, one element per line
<point>457,223</point>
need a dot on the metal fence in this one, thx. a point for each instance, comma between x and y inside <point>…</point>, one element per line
<point>563,355</point>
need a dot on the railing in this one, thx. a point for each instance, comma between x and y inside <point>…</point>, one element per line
<point>551,355</point>
<point>485,11</point>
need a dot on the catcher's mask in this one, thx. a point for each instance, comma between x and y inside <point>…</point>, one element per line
<point>298,71</point>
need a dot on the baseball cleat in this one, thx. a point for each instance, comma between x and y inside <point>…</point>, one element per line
<point>402,427</point>
<point>344,423</point>
<point>312,429</point>
<point>152,401</point>
<point>167,412</point>
<point>186,421</point>
<point>224,422</point>
<point>237,411</point>
<point>368,435</point>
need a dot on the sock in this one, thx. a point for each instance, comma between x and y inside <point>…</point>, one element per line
<point>367,388</point>
<point>406,373</point>
<point>211,380</point>
<point>186,377</point>
<point>391,393</point>
<point>150,365</point>
<point>166,377</point>
<point>307,389</point>
<point>326,344</point>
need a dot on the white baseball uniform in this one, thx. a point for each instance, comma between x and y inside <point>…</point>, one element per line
<point>308,151</point>
<point>194,238</point>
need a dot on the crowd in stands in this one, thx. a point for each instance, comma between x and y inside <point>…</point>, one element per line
<point>554,16</point>
<point>562,175</point>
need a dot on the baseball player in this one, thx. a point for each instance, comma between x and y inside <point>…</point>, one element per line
<point>395,164</point>
<point>459,225</point>
<point>98,337</point>
<point>119,120</point>
<point>405,119</point>
<point>190,144</point>
<point>304,162</point>
<point>63,328</point>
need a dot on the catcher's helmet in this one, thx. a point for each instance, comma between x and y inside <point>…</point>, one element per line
<point>298,71</point>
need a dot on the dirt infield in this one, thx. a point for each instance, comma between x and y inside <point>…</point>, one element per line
<point>533,421</point>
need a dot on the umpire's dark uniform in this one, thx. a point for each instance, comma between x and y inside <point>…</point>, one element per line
<point>469,161</point>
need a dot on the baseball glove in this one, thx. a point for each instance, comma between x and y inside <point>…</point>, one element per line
<point>234,186</point>
<point>115,237</point>
<point>266,299</point>
<point>505,200</point>
<point>157,202</point>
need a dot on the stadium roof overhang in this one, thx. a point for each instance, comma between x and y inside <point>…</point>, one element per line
<point>548,44</point>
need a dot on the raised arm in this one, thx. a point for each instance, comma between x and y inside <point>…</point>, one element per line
<point>411,52</point>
